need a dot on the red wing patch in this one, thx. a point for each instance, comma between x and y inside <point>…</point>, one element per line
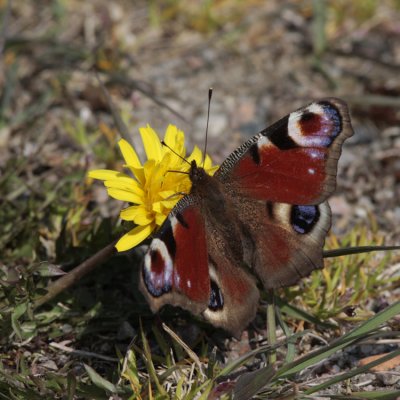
<point>296,177</point>
<point>191,274</point>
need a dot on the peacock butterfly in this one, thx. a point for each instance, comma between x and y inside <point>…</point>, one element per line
<point>262,217</point>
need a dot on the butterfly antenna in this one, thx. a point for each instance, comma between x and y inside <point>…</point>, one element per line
<point>210,91</point>
<point>171,149</point>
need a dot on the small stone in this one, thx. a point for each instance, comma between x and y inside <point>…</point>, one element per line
<point>388,378</point>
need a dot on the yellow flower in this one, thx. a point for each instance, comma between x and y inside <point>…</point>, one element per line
<point>153,190</point>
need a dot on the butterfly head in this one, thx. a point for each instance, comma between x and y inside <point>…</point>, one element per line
<point>196,174</point>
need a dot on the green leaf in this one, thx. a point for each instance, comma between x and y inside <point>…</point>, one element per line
<point>250,383</point>
<point>19,310</point>
<point>100,381</point>
<point>71,385</point>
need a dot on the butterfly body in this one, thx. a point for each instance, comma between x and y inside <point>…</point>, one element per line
<point>262,218</point>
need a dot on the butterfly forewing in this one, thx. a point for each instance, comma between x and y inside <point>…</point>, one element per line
<point>175,268</point>
<point>293,161</point>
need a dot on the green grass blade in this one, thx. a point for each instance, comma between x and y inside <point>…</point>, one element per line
<point>250,383</point>
<point>360,332</point>
<point>357,250</point>
<point>291,346</point>
<point>235,364</point>
<point>149,364</point>
<point>297,313</point>
<point>354,372</point>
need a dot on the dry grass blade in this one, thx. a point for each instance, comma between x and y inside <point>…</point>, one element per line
<point>188,350</point>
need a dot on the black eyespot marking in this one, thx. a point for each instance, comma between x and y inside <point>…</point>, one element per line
<point>155,257</point>
<point>304,218</point>
<point>306,116</point>
<point>270,210</point>
<point>255,155</point>
<point>278,134</point>
<point>216,298</point>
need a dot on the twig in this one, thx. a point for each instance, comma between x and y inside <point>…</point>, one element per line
<point>82,353</point>
<point>133,84</point>
<point>121,126</point>
<point>76,274</point>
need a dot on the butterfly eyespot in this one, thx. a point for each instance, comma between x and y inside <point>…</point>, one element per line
<point>158,269</point>
<point>216,298</point>
<point>304,218</point>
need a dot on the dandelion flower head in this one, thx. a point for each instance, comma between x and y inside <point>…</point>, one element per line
<point>152,189</point>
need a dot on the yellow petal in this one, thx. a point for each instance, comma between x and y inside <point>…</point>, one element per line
<point>138,173</point>
<point>207,162</point>
<point>175,139</point>
<point>211,171</point>
<point>148,168</point>
<point>160,218</point>
<point>130,213</point>
<point>170,203</point>
<point>171,135</point>
<point>167,193</point>
<point>125,195</point>
<point>128,186</point>
<point>143,219</point>
<point>157,207</point>
<point>129,154</point>
<point>151,143</point>
<point>106,174</point>
<point>134,237</point>
<point>196,155</point>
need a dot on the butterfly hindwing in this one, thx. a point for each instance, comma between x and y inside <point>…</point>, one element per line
<point>293,161</point>
<point>234,294</point>
<point>286,240</point>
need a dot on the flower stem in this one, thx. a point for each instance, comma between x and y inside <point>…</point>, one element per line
<point>76,274</point>
<point>271,325</point>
